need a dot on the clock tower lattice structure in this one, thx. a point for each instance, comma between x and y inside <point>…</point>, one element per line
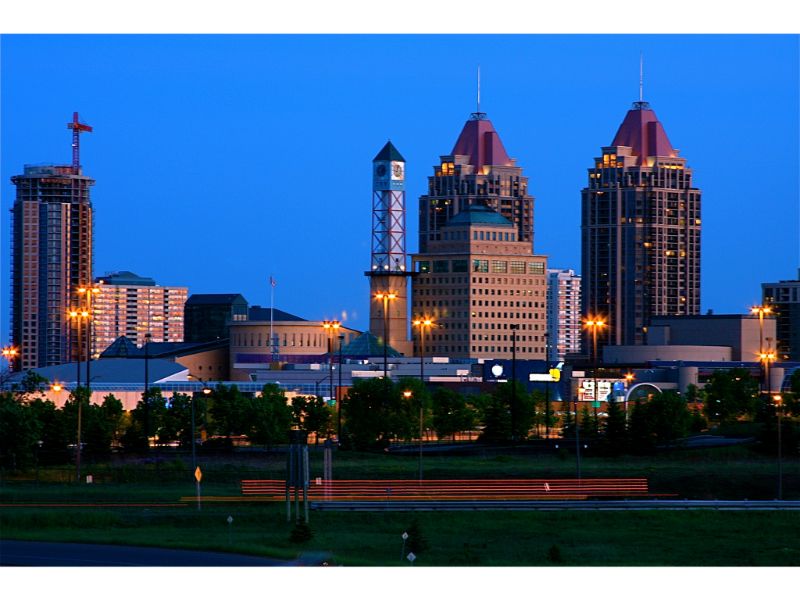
<point>388,274</point>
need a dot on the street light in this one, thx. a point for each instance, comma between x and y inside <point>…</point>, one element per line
<point>578,435</point>
<point>88,292</point>
<point>761,311</point>
<point>422,323</point>
<point>779,409</point>
<point>339,393</point>
<point>331,327</point>
<point>595,323</point>
<point>385,297</point>
<point>146,398</point>
<point>10,353</point>
<point>78,315</point>
<point>767,357</point>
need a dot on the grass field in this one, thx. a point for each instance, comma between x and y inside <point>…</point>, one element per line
<point>640,538</point>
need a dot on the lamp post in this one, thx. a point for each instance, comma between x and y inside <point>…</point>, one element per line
<point>78,315</point>
<point>330,327</point>
<point>595,323</point>
<point>385,297</point>
<point>88,291</point>
<point>206,392</point>
<point>339,393</point>
<point>779,409</point>
<point>761,311</point>
<point>546,389</point>
<point>147,389</point>
<point>9,354</point>
<point>422,323</point>
<point>767,356</point>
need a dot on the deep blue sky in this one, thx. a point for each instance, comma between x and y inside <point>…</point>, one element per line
<point>220,160</point>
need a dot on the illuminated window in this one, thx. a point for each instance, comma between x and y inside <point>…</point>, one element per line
<point>480,266</point>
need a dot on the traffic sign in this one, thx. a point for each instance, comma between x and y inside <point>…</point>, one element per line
<point>198,474</point>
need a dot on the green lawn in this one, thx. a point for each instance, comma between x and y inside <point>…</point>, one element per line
<point>636,538</point>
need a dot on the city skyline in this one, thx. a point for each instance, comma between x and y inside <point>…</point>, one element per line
<point>295,155</point>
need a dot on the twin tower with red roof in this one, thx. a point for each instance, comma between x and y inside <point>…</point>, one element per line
<point>640,229</point>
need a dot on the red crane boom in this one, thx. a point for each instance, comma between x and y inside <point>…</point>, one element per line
<point>77,128</point>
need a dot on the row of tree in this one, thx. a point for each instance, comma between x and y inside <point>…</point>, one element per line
<point>374,413</point>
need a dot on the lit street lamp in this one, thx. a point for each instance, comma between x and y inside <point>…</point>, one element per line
<point>422,323</point>
<point>595,323</point>
<point>385,297</point>
<point>629,377</point>
<point>88,292</point>
<point>761,311</point>
<point>79,315</point>
<point>339,393</point>
<point>10,353</point>
<point>331,327</point>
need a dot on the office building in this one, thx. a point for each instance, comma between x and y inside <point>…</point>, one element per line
<point>484,289</point>
<point>640,228</point>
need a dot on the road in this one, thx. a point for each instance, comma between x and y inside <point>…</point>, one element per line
<point>51,554</point>
<point>400,505</point>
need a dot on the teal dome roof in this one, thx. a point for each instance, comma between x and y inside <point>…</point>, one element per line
<point>367,345</point>
<point>478,214</point>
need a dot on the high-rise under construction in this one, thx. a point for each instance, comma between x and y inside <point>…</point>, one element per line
<point>51,258</point>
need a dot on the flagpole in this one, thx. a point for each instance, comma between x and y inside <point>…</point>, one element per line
<point>271,313</point>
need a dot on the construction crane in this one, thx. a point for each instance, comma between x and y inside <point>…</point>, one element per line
<point>77,128</point>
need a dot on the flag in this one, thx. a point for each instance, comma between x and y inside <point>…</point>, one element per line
<point>272,281</point>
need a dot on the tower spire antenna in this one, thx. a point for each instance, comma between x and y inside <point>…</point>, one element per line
<point>641,76</point>
<point>478,115</point>
<point>641,104</point>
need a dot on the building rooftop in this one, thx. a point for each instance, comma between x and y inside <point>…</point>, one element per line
<point>115,370</point>
<point>196,299</point>
<point>479,214</point>
<point>123,347</point>
<point>124,278</point>
<point>389,152</point>
<point>367,345</point>
<point>259,313</point>
<point>480,142</point>
<point>643,133</point>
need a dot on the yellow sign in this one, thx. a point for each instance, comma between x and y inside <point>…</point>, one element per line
<point>198,474</point>
<point>555,374</point>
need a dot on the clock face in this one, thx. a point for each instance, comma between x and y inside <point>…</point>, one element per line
<point>381,171</point>
<point>397,170</point>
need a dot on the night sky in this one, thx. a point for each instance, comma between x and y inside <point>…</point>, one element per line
<point>223,159</point>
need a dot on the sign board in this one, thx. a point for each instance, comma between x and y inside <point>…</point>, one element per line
<point>588,389</point>
<point>198,474</point>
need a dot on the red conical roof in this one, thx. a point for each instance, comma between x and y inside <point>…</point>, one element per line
<point>480,141</point>
<point>643,132</point>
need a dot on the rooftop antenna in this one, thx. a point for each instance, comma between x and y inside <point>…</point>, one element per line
<point>478,115</point>
<point>641,104</point>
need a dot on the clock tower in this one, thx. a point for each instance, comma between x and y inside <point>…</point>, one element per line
<point>388,273</point>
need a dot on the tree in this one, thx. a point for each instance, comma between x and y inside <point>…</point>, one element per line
<point>451,413</point>
<point>669,417</point>
<point>271,417</point>
<point>375,412</point>
<point>615,430</point>
<point>229,411</point>
<point>18,432</point>
<point>312,414</point>
<point>499,416</point>
<point>731,395</point>
<point>145,421</point>
<point>640,439</point>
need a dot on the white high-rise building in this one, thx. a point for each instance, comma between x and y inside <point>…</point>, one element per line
<point>563,313</point>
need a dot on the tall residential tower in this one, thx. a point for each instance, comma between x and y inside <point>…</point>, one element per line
<point>51,257</point>
<point>640,231</point>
